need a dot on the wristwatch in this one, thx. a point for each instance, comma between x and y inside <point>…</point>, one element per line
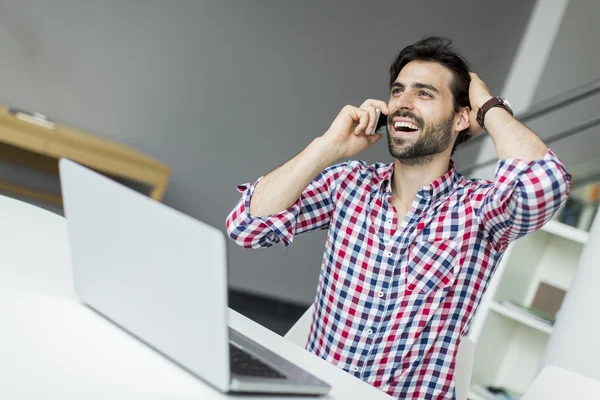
<point>491,103</point>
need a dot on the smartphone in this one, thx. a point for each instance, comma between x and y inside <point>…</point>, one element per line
<point>381,125</point>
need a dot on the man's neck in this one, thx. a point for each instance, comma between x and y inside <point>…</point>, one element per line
<point>408,179</point>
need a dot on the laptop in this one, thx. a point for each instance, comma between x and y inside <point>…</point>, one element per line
<point>161,275</point>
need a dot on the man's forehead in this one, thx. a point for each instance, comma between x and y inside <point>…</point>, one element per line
<point>427,72</point>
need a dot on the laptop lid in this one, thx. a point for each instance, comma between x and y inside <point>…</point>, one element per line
<point>156,272</point>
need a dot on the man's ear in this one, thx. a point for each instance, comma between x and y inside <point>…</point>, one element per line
<point>464,119</point>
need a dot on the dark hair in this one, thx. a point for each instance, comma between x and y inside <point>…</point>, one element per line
<point>439,50</point>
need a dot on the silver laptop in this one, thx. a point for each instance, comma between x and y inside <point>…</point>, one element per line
<point>161,276</point>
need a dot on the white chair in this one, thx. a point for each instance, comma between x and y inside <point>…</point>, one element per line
<point>555,383</point>
<point>298,334</point>
<point>463,368</point>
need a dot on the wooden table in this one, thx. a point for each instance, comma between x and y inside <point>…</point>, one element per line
<point>39,144</point>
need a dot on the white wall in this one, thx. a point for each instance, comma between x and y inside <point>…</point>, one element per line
<point>574,343</point>
<point>573,62</point>
<point>225,90</point>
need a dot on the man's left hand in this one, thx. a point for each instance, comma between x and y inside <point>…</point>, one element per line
<point>478,95</point>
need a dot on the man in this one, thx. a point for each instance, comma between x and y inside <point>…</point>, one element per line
<point>412,245</point>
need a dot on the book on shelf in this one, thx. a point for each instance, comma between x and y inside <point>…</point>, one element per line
<point>529,311</point>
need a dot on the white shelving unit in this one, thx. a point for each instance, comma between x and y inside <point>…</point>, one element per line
<point>521,318</point>
<point>567,232</point>
<point>510,343</point>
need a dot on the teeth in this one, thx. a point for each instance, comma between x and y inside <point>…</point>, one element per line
<point>405,125</point>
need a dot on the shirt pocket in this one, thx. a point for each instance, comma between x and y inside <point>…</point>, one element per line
<point>430,265</point>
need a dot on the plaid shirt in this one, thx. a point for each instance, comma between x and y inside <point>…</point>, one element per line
<point>392,304</point>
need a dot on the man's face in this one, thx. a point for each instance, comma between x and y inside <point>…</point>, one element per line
<point>421,120</point>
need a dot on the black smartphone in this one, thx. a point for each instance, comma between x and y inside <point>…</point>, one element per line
<point>381,126</point>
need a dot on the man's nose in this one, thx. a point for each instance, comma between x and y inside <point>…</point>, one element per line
<point>402,102</point>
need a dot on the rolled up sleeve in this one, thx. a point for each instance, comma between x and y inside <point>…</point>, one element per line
<point>311,211</point>
<point>523,198</point>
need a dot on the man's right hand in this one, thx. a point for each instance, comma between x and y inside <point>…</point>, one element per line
<point>350,132</point>
<point>348,135</point>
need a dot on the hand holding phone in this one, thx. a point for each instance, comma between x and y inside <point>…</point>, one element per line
<point>381,125</point>
<point>350,128</point>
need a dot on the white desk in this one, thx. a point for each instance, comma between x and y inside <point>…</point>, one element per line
<point>51,346</point>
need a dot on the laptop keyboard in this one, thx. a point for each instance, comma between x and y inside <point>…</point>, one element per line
<point>245,364</point>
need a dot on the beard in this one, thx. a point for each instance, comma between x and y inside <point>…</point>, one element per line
<point>433,140</point>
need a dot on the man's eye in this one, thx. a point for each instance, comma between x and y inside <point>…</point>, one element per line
<point>426,94</point>
<point>396,91</point>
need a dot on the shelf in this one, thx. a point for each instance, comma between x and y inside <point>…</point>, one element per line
<point>522,318</point>
<point>566,231</point>
<point>478,392</point>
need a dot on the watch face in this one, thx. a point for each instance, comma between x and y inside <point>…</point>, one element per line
<point>507,104</point>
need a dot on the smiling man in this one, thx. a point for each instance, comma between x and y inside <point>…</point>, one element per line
<point>412,244</point>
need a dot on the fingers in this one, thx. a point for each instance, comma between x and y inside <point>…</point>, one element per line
<point>373,116</point>
<point>363,121</point>
<point>475,78</point>
<point>366,116</point>
<point>375,108</point>
<point>376,104</point>
<point>474,128</point>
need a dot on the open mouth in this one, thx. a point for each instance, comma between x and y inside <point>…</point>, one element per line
<point>405,128</point>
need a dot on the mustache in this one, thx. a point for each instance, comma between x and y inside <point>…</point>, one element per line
<point>406,114</point>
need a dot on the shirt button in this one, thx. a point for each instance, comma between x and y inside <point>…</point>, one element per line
<point>389,221</point>
<point>355,368</point>
<point>380,294</point>
<point>389,254</point>
<point>370,331</point>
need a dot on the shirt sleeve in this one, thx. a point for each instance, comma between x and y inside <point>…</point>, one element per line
<point>523,198</point>
<point>312,211</point>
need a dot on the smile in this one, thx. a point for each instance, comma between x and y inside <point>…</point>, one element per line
<point>404,129</point>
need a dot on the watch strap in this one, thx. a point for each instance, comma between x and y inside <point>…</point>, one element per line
<point>491,103</point>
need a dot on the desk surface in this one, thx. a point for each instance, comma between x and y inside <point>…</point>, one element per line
<point>52,346</point>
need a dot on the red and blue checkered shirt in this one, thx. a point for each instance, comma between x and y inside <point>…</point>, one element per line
<point>392,304</point>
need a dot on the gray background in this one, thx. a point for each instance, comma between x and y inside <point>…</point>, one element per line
<point>575,56</point>
<point>225,91</point>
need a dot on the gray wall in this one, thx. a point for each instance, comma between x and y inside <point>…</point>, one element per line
<point>225,91</point>
<point>575,56</point>
<point>574,60</point>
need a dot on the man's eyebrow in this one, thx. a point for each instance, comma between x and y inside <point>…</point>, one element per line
<point>417,85</point>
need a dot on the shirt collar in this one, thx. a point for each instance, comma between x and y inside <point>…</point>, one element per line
<point>436,190</point>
